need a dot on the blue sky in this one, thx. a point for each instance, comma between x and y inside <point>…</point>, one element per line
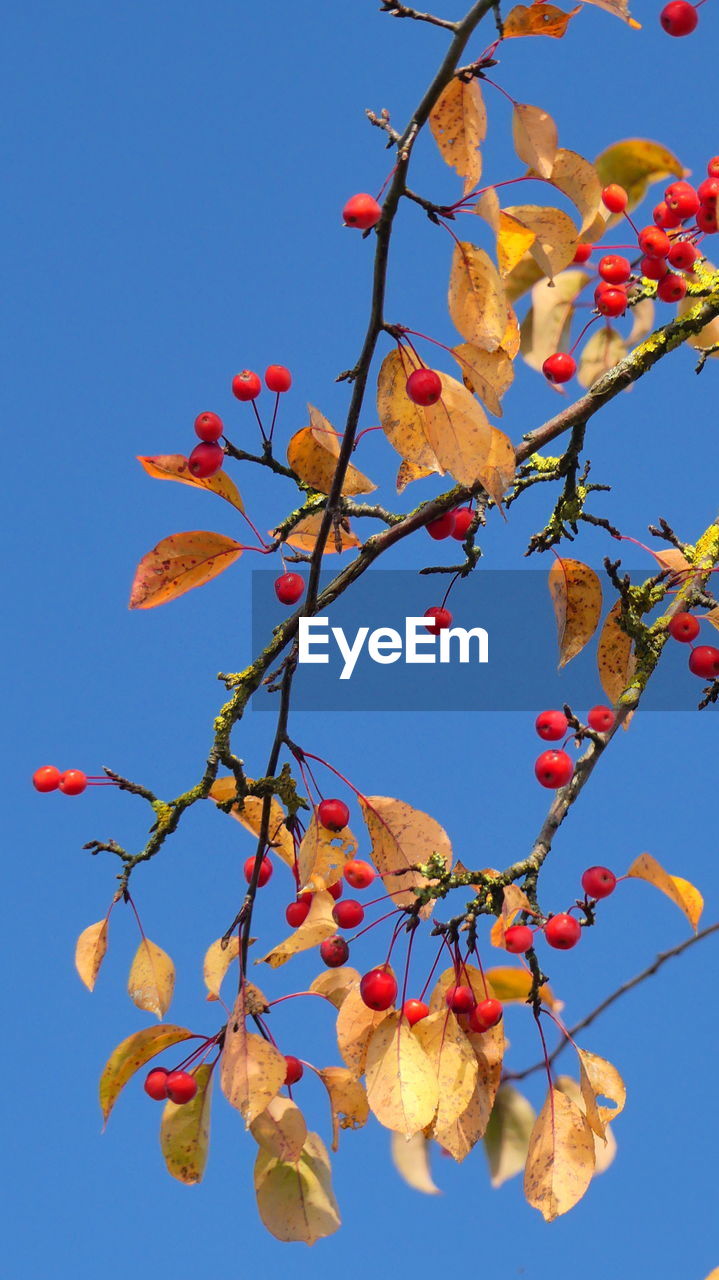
<point>175,173</point>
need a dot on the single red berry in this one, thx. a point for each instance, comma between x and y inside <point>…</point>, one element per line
<point>246,385</point>
<point>296,913</point>
<point>442,619</point>
<point>335,890</point>
<point>682,199</point>
<point>47,778</point>
<point>156,1083</point>
<point>614,268</point>
<point>378,989</point>
<point>334,951</point>
<point>415,1011</point>
<point>72,782</point>
<point>682,255</point>
<point>601,719</point>
<point>463,518</point>
<point>518,938</point>
<point>654,243</point>
<point>205,460</point>
<point>209,427</point>
<point>181,1087</point>
<point>707,218</point>
<point>703,661</point>
<point>598,882</point>
<point>442,527</point>
<point>278,378</point>
<point>664,216</point>
<point>653,268</point>
<point>684,627</point>
<point>671,287</point>
<point>486,1014</point>
<point>582,253</point>
<point>679,18</point>
<point>460,999</point>
<point>289,587</point>
<point>708,190</point>
<point>348,913</point>
<point>333,814</point>
<point>358,874</point>
<point>295,1070</point>
<point>266,870</point>
<point>615,198</point>
<point>562,931</point>
<point>612,302</point>
<point>559,367</point>
<point>553,769</point>
<point>551,725</point>
<point>424,387</point>
<point>361,211</point>
<point>713,167</point>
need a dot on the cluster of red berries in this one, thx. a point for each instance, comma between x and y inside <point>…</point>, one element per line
<point>555,768</point>
<point>72,782</point>
<point>178,1086</point>
<point>704,658</point>
<point>208,456</point>
<point>679,18</point>
<point>562,931</point>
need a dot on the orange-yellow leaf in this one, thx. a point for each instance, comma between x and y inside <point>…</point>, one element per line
<point>90,951</point>
<point>619,8</point>
<point>402,421</point>
<point>402,1087</point>
<point>506,1141</point>
<point>313,452</point>
<point>599,1079</point>
<point>180,563</point>
<point>458,122</point>
<point>615,658</point>
<point>513,241</point>
<point>514,900</point>
<point>605,1148</point>
<point>334,984</point>
<point>488,374</point>
<point>577,179</point>
<point>355,1027</point>
<point>304,535</point>
<point>454,1063</point>
<point>555,236</point>
<point>252,1070</point>
<point>410,1157</point>
<point>464,1132</point>
<point>152,979</point>
<point>185,1131</point>
<point>280,1129</point>
<point>133,1053</point>
<point>295,1198</point>
<point>535,137</point>
<point>402,837</point>
<point>537,20</point>
<point>322,855</point>
<point>477,302</point>
<point>635,164</point>
<point>576,594</point>
<point>560,1161</point>
<point>512,985</point>
<point>173,466</point>
<point>249,815</point>
<point>685,895</point>
<point>409,471</point>
<point>317,925</point>
<point>547,324</point>
<point>218,959</point>
<point>600,353</point>
<point>348,1100</point>
<point>460,433</point>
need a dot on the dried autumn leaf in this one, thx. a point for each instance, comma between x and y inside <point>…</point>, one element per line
<point>512,985</point>
<point>317,925</point>
<point>218,959</point>
<point>642,320</point>
<point>506,1141</point>
<point>410,1157</point>
<point>685,895</point>
<point>635,164</point>
<point>464,1132</point>
<point>537,20</point>
<point>615,658</point>
<point>295,1198</point>
<point>477,302</point>
<point>334,984</point>
<point>619,8</point>
<point>499,467</point>
<point>487,207</point>
<point>488,374</point>
<point>348,1100</point>
<point>458,122</point>
<point>173,466</point>
<point>604,349</point>
<point>578,180</point>
<point>605,1148</point>
<point>576,594</point>
<point>560,1161</point>
<point>514,239</point>
<point>180,563</point>
<point>523,278</point>
<point>356,1025</point>
<point>90,951</point>
<point>402,837</point>
<point>304,536</point>
<point>402,421</point>
<point>133,1053</point>
<point>549,320</point>
<point>252,1071</point>
<point>555,236</point>
<point>402,1088</point>
<point>249,815</point>
<point>322,855</point>
<point>152,979</point>
<point>409,471</point>
<point>514,900</point>
<point>706,337</point>
<point>313,452</point>
<point>598,1078</point>
<point>535,137</point>
<point>459,432</point>
<point>185,1131</point>
<point>454,1063</point>
<point>280,1129</point>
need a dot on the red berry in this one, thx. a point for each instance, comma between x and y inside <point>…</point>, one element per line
<point>424,387</point>
<point>486,1014</point>
<point>707,218</point>
<point>208,427</point>
<point>442,619</point>
<point>551,725</point>
<point>335,890</point>
<point>683,255</point>
<point>582,253</point>
<point>359,874</point>
<point>463,517</point>
<point>361,211</point>
<point>334,951</point>
<point>684,627</point>
<point>277,378</point>
<point>266,870</point>
<point>682,199</point>
<point>378,989</point>
<point>415,1011</point>
<point>296,913</point>
<point>679,18</point>
<point>246,385</point>
<point>460,999</point>
<point>289,587</point>
<point>295,1070</point>
<point>708,190</point>
<point>615,198</point>
<point>614,269</point>
<point>333,814</point>
<point>553,769</point>
<point>46,779</point>
<point>601,719</point>
<point>156,1083</point>
<point>518,938</point>
<point>664,216</point>
<point>205,460</point>
<point>703,661</point>
<point>562,931</point>
<point>559,367</point>
<point>713,167</point>
<point>671,288</point>
<point>181,1087</point>
<point>612,302</point>
<point>348,914</point>
<point>598,882</point>
<point>72,782</point>
<point>654,243</point>
<point>653,268</point>
<point>442,527</point>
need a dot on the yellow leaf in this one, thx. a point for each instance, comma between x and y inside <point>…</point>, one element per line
<point>604,349</point>
<point>506,1141</point>
<point>477,302</point>
<point>687,898</point>
<point>512,985</point>
<point>402,1088</point>
<point>560,1161</point>
<point>619,8</point>
<point>514,900</point>
<point>615,659</point>
<point>133,1053</point>
<point>185,1131</point>
<point>249,815</point>
<point>355,1026</point>
<point>513,241</point>
<point>458,122</point>
<point>280,1129</point>
<point>152,979</point>
<point>401,838</point>
<point>642,320</point>
<point>605,1148</point>
<point>322,855</point>
<point>216,963</point>
<point>252,1070</point>
<point>462,1134</point>
<point>295,1199</point>
<point>454,1063</point>
<point>180,563</point>
<point>555,236</point>
<point>578,180</point>
<point>535,137</point>
<point>460,434</point>
<point>90,951</point>
<point>334,984</point>
<point>173,466</point>
<point>348,1100</point>
<point>402,421</point>
<point>313,452</point>
<point>488,374</point>
<point>410,1157</point>
<point>499,467</point>
<point>598,1078</point>
<point>487,207</point>
<point>317,925</point>
<point>635,164</point>
<point>545,327</point>
<point>706,337</point>
<point>525,275</point>
<point>511,339</point>
<point>409,471</point>
<point>577,599</point>
<point>304,535</point>
<point>537,20</point>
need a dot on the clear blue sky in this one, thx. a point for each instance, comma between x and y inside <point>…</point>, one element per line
<point>174,175</point>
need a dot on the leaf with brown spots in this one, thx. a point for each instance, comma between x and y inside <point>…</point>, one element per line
<point>403,421</point>
<point>280,1129</point>
<point>535,137</point>
<point>615,657</point>
<point>477,302</point>
<point>555,236</point>
<point>179,564</point>
<point>313,452</point>
<point>402,1086</point>
<point>249,815</point>
<point>576,594</point>
<point>454,1063</point>
<point>355,1027</point>
<point>578,180</point>
<point>348,1100</point>
<point>252,1070</point>
<point>560,1161</point>
<point>304,536</point>
<point>464,1132</point>
<point>322,855</point>
<point>334,984</point>
<point>133,1053</point>
<point>185,1131</point>
<point>90,951</point>
<point>218,959</point>
<point>681,892</point>
<point>461,435</point>
<point>173,466</point>
<point>295,1198</point>
<point>619,8</point>
<point>488,374</point>
<point>318,925</point>
<point>402,837</point>
<point>599,1079</point>
<point>151,983</point>
<point>458,122</point>
<point>537,20</point>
